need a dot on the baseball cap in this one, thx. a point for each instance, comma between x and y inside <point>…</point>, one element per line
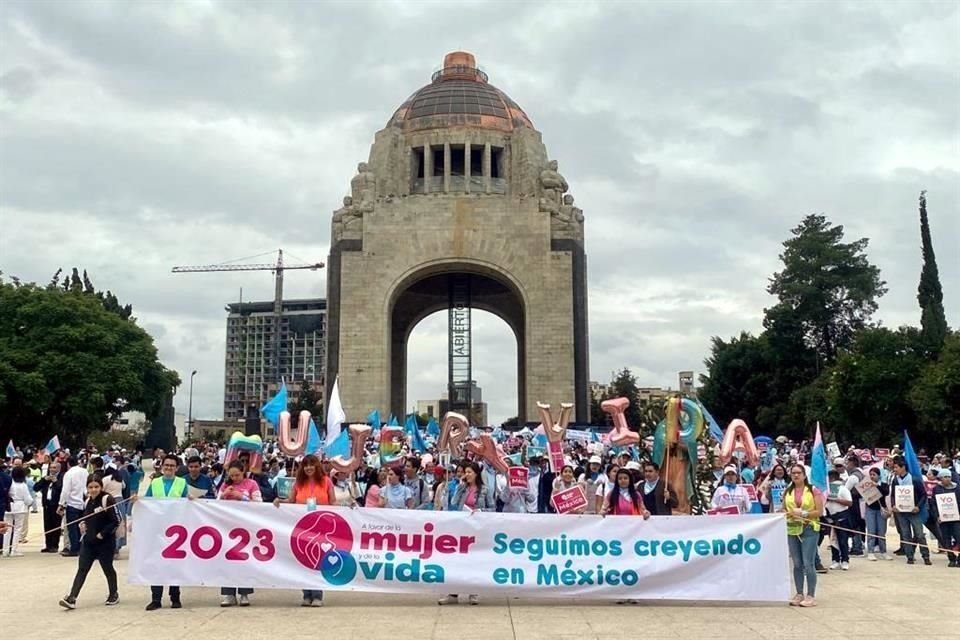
<point>729,469</point>
<point>944,473</point>
<point>837,461</point>
<point>633,465</point>
<point>595,460</point>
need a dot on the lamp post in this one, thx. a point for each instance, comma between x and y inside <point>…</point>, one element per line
<point>190,407</point>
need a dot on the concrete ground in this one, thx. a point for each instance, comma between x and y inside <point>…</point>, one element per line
<point>873,599</point>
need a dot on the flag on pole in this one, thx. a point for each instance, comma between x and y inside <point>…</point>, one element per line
<point>715,431</point>
<point>593,436</point>
<point>373,419</point>
<point>433,429</point>
<point>413,430</point>
<point>392,421</point>
<point>335,414</point>
<point>53,446</point>
<point>314,442</point>
<point>339,447</point>
<point>818,462</point>
<point>11,450</point>
<point>910,457</point>
<point>275,405</point>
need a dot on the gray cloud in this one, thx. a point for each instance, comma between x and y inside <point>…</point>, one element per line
<point>693,135</point>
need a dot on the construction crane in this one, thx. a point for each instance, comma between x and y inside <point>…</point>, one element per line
<point>278,270</point>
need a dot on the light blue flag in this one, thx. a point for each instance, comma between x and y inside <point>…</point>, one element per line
<point>540,440</point>
<point>340,446</point>
<point>910,457</point>
<point>373,419</point>
<point>413,430</point>
<point>392,421</point>
<point>818,463</point>
<point>278,403</point>
<point>594,437</point>
<point>715,429</point>
<point>634,453</point>
<point>11,450</point>
<point>314,442</point>
<point>433,429</point>
<point>53,446</point>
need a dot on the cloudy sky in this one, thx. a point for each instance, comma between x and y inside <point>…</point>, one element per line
<point>138,136</point>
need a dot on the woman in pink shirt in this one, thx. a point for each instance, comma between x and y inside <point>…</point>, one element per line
<point>237,486</point>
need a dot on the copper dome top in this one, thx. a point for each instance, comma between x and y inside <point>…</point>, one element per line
<point>459,95</point>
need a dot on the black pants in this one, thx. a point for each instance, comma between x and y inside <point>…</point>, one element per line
<point>102,552</point>
<point>156,593</point>
<point>51,524</point>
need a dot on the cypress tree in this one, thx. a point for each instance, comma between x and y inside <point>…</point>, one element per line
<point>933,321</point>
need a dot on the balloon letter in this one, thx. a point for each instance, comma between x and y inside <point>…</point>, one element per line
<point>454,429</point>
<point>358,439</point>
<point>487,448</point>
<point>293,446</point>
<point>555,432</point>
<point>621,436</point>
<point>738,438</point>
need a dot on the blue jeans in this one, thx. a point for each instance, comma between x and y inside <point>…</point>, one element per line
<point>313,594</point>
<point>911,530</point>
<point>73,530</point>
<point>803,553</point>
<point>876,526</point>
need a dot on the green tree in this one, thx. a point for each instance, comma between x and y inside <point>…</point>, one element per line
<point>828,286</point>
<point>308,399</point>
<point>936,396</point>
<point>736,384</point>
<point>68,366</point>
<point>624,385</point>
<point>597,416</point>
<point>867,387</point>
<point>933,320</point>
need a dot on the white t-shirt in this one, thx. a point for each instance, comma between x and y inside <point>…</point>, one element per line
<point>835,507</point>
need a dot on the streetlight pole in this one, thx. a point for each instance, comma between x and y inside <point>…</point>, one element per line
<point>190,407</point>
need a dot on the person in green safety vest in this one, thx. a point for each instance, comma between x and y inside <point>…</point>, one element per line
<point>167,486</point>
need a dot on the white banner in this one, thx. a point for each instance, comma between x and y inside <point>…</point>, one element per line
<point>212,543</point>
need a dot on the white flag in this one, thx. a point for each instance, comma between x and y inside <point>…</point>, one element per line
<point>335,414</point>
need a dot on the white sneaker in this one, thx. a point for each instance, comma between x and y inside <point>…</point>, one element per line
<point>872,557</point>
<point>448,600</point>
<point>14,554</point>
<point>244,600</point>
<point>887,556</point>
<point>473,599</point>
<point>845,566</point>
<point>228,601</point>
<point>835,565</point>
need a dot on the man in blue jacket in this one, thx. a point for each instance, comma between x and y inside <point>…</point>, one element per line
<point>910,523</point>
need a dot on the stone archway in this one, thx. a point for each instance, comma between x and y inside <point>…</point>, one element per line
<point>426,291</point>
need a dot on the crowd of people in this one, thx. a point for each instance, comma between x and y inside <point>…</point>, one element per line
<point>86,498</point>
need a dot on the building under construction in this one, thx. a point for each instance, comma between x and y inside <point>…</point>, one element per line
<point>250,376</point>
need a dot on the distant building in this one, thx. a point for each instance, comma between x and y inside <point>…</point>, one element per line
<point>130,421</point>
<point>686,382</point>
<point>249,380</point>
<point>218,431</point>
<point>599,391</point>
<point>436,408</point>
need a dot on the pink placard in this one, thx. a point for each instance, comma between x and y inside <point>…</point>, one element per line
<point>729,510</point>
<point>569,500</point>
<point>882,453</point>
<point>555,451</point>
<point>517,477</point>
<point>751,491</point>
<point>762,446</point>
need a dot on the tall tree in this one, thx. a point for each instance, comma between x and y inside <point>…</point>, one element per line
<point>308,399</point>
<point>933,320</point>
<point>737,382</point>
<point>624,385</point>
<point>936,396</point>
<point>827,285</point>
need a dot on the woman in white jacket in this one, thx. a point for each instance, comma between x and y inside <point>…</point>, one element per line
<point>21,499</point>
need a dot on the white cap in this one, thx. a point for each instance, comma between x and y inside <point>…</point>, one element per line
<point>837,461</point>
<point>595,460</point>
<point>729,469</point>
<point>633,465</point>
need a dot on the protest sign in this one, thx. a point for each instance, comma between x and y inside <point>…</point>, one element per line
<point>284,487</point>
<point>729,510</point>
<point>869,491</point>
<point>213,542</point>
<point>903,498</point>
<point>947,506</point>
<point>568,500</point>
<point>833,450</point>
<point>517,477</point>
<point>882,453</point>
<point>776,497</point>
<point>751,491</point>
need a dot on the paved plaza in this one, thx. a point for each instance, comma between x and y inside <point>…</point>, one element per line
<point>873,599</point>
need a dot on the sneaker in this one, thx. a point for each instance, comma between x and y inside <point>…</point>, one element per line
<point>14,554</point>
<point>899,552</point>
<point>176,604</point>
<point>845,566</point>
<point>887,556</point>
<point>809,601</point>
<point>872,557</point>
<point>473,599</point>
<point>821,569</point>
<point>153,605</point>
<point>622,601</point>
<point>316,603</point>
<point>68,602</point>
<point>228,601</point>
<point>835,565</point>
<point>244,600</point>
<point>796,600</point>
<point>448,600</point>
<point>952,563</point>
<point>307,602</point>
<point>856,554</point>
<point>927,562</point>
<point>911,561</point>
<point>112,599</point>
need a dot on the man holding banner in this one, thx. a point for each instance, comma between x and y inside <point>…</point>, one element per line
<point>909,507</point>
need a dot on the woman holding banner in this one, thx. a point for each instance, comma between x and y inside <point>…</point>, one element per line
<point>395,494</point>
<point>803,504</point>
<point>624,499</point>
<point>470,497</point>
<point>877,515</point>
<point>566,481</point>
<point>237,486</point>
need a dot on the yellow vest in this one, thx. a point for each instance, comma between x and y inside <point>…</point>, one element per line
<point>176,489</point>
<point>808,504</point>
